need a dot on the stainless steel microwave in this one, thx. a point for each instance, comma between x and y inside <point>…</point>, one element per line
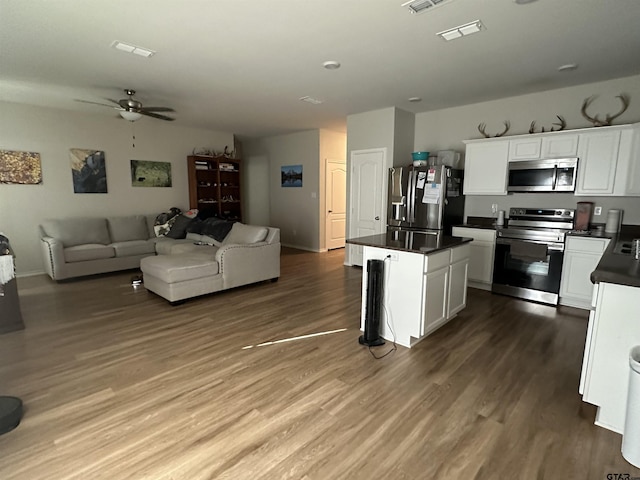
<point>553,175</point>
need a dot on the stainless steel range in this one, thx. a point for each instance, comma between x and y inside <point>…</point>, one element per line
<point>529,253</point>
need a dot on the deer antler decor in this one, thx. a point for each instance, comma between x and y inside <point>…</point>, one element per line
<point>562,124</point>
<point>624,98</point>
<point>483,126</point>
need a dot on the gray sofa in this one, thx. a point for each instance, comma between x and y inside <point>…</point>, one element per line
<point>74,247</point>
<point>175,269</point>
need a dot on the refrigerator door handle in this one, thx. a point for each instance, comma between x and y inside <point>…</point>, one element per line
<point>410,198</point>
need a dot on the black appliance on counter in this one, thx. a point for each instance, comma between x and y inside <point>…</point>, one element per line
<point>425,198</point>
<point>529,253</point>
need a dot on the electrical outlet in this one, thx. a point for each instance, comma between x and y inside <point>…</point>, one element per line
<point>494,208</point>
<point>393,257</point>
<point>597,211</point>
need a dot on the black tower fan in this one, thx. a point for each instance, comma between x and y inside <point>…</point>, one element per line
<point>373,308</point>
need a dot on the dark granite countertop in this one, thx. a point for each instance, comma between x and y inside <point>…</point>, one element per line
<point>619,268</point>
<point>408,241</point>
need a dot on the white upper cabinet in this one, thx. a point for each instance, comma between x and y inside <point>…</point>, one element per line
<point>525,148</point>
<point>544,145</point>
<point>560,145</point>
<point>608,159</point>
<point>598,153</point>
<point>485,171</point>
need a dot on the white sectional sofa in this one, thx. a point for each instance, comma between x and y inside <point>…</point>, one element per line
<point>248,254</point>
<point>175,269</point>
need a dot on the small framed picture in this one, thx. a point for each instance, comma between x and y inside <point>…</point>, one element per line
<point>291,175</point>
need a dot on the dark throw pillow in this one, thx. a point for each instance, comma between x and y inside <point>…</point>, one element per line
<point>216,228</point>
<point>179,227</point>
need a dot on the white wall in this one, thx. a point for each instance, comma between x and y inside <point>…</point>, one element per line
<point>52,133</point>
<point>255,188</point>
<point>446,129</point>
<point>295,210</point>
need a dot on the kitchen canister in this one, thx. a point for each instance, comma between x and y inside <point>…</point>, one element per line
<point>500,220</point>
<point>614,220</point>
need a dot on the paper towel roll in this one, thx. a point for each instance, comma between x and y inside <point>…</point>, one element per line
<point>614,220</point>
<point>500,220</point>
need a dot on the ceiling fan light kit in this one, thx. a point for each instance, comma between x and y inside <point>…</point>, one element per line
<point>132,110</point>
<point>130,115</point>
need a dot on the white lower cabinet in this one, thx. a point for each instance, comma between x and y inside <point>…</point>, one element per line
<point>421,292</point>
<point>481,255</point>
<point>613,330</point>
<point>581,257</point>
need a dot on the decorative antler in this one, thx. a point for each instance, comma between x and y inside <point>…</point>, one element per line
<point>624,98</point>
<point>562,124</point>
<point>483,126</point>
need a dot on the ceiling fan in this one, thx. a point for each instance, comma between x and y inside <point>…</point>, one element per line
<point>132,110</point>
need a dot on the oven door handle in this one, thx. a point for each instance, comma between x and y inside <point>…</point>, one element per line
<point>550,245</point>
<point>555,177</point>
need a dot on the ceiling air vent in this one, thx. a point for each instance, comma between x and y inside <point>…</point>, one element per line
<point>420,6</point>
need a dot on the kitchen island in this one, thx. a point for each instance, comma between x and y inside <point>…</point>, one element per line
<point>614,328</point>
<point>425,281</point>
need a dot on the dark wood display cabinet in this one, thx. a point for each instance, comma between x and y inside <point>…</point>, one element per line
<point>214,185</point>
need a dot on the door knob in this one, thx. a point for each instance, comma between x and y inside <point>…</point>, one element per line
<point>330,211</point>
<point>377,218</point>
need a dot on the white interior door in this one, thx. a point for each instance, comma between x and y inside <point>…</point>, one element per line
<point>367,197</point>
<point>336,195</point>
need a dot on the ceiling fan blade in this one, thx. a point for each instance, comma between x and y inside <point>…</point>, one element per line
<point>156,115</point>
<point>95,103</point>
<point>158,109</point>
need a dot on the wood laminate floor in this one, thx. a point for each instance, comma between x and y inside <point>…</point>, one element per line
<point>117,384</point>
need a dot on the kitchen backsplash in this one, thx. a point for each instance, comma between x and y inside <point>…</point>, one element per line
<point>480,205</point>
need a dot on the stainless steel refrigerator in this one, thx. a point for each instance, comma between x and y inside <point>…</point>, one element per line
<point>425,198</point>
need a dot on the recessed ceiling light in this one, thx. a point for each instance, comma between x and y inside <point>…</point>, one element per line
<point>311,100</point>
<point>331,65</point>
<point>125,47</point>
<point>415,99</point>
<point>461,30</point>
<point>568,67</point>
<point>523,2</point>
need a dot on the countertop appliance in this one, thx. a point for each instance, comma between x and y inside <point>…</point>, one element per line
<point>554,175</point>
<point>529,253</point>
<point>425,198</point>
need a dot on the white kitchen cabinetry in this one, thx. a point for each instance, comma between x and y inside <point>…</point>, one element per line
<point>482,252</point>
<point>421,292</point>
<point>598,153</point>
<point>581,257</point>
<point>485,171</point>
<point>549,145</point>
<point>615,329</point>
<point>458,279</point>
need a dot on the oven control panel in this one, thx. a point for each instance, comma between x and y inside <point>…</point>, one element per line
<point>542,213</point>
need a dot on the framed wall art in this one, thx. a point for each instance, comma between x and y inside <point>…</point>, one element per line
<point>147,173</point>
<point>291,175</point>
<point>20,167</point>
<point>88,171</point>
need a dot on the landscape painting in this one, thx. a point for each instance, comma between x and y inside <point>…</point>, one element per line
<point>291,175</point>
<point>20,167</point>
<point>147,173</point>
<point>88,170</point>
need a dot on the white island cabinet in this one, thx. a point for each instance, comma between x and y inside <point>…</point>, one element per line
<point>614,328</point>
<point>422,291</point>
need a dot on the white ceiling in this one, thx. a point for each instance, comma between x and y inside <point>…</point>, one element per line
<point>240,66</point>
